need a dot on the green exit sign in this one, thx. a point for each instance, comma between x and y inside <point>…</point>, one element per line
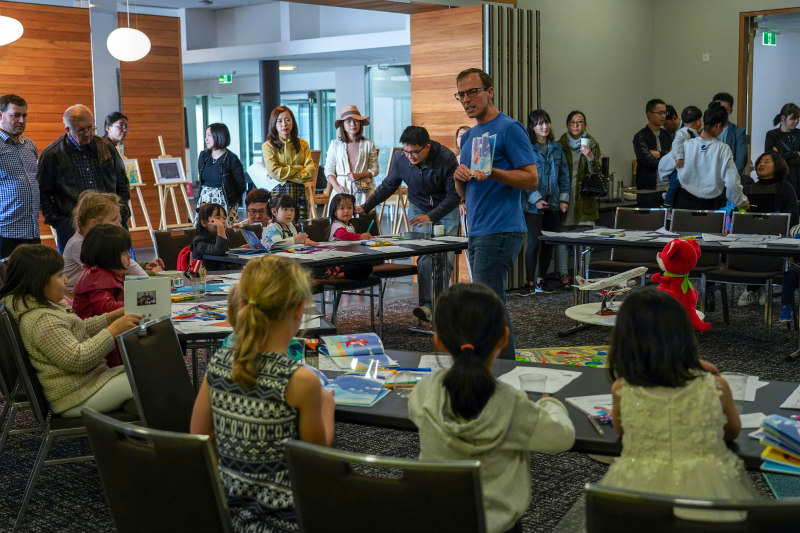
<point>769,38</point>
<point>226,78</point>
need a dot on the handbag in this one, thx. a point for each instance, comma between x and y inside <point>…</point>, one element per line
<point>594,184</point>
<point>364,184</point>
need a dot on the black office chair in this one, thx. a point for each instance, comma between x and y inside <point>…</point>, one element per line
<point>752,269</point>
<point>699,222</point>
<point>236,237</point>
<point>12,395</point>
<point>157,481</point>
<point>318,472</point>
<point>613,510</point>
<point>51,426</point>
<point>622,259</point>
<point>161,387</point>
<point>169,243</point>
<point>318,229</point>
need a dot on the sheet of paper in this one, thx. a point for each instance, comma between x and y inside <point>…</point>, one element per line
<point>388,249</point>
<point>258,173</point>
<point>458,238</point>
<point>663,231</point>
<point>556,379</point>
<point>338,243</point>
<point>793,401</point>
<point>233,275</point>
<point>663,239</point>
<point>420,242</point>
<point>710,237</point>
<point>744,244</point>
<point>752,420</point>
<point>590,405</point>
<point>743,387</point>
<point>435,362</point>
<point>784,241</point>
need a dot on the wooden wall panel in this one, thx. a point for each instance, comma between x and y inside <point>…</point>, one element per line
<point>152,98</point>
<point>443,43</point>
<point>50,66</point>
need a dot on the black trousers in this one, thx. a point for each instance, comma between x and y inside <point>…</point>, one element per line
<point>7,245</point>
<point>686,200</point>
<point>548,220</point>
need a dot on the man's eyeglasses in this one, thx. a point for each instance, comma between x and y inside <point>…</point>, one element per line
<point>84,131</point>
<point>577,123</point>
<point>659,113</point>
<point>252,212</point>
<point>472,93</point>
<point>415,153</point>
<point>124,127</point>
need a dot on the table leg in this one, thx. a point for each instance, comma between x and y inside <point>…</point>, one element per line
<point>579,266</point>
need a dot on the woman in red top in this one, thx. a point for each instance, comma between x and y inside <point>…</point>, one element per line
<point>100,288</point>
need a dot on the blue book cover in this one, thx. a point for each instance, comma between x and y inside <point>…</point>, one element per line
<point>356,390</point>
<point>785,429</point>
<point>361,346</point>
<point>781,468</point>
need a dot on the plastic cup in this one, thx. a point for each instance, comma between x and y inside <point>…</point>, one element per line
<point>198,287</point>
<point>533,383</point>
<point>427,229</point>
<point>438,230</point>
<point>403,383</point>
<point>584,141</point>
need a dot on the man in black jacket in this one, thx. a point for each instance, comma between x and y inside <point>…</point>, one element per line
<point>427,169</point>
<point>650,144</point>
<point>78,161</point>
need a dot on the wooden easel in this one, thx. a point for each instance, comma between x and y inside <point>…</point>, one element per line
<point>169,187</point>
<point>138,187</point>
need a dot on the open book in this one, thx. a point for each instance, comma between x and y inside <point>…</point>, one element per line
<point>352,390</point>
<point>355,350</point>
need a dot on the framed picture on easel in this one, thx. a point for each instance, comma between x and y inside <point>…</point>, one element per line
<point>168,170</point>
<point>133,172</point>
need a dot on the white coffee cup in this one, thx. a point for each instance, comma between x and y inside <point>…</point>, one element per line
<point>438,230</point>
<point>584,141</point>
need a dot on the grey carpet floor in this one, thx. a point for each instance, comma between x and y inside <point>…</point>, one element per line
<point>70,498</point>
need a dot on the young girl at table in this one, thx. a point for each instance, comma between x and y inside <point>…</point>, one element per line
<point>67,353</point>
<point>341,212</point>
<point>211,237</point>
<point>465,413</point>
<point>101,286</point>
<point>673,410</point>
<point>255,397</point>
<point>281,232</point>
<point>95,208</point>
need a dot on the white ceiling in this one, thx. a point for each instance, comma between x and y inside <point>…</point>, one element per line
<point>216,4</point>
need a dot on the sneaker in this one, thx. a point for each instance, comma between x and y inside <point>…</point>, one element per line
<point>423,313</point>
<point>762,299</point>
<point>747,298</point>
<point>539,288</point>
<point>786,314</point>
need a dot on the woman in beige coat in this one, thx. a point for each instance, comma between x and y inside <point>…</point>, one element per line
<point>352,160</point>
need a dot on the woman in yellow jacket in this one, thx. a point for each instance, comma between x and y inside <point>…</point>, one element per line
<point>288,159</point>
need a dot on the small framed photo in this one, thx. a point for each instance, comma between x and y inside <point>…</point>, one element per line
<point>169,170</point>
<point>133,172</point>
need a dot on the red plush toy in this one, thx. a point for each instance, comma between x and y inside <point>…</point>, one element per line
<point>677,259</point>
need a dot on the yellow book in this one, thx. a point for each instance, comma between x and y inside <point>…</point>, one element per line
<point>771,453</point>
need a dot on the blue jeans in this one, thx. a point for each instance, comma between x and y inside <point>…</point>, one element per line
<point>425,262</point>
<point>490,258</point>
<point>674,185</point>
<point>789,283</point>
<point>64,232</point>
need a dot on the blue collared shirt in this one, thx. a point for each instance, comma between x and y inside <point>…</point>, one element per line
<point>19,190</point>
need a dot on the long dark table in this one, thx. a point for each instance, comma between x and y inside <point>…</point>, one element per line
<point>392,410</point>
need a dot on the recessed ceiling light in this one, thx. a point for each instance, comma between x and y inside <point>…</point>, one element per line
<point>287,67</point>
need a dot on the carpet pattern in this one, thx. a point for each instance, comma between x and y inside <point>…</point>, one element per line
<point>70,498</point>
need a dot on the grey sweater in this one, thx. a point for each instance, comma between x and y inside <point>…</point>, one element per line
<point>501,437</point>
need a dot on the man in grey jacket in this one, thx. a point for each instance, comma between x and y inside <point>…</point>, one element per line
<point>427,169</point>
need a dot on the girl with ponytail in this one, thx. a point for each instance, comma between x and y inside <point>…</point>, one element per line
<point>465,413</point>
<point>255,397</point>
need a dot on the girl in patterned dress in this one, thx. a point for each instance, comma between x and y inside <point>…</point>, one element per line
<point>255,397</point>
<point>673,410</point>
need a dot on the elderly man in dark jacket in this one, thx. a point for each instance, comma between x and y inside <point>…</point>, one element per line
<point>76,162</point>
<point>427,169</point>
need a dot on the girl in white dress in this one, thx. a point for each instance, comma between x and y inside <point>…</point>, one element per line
<point>673,410</point>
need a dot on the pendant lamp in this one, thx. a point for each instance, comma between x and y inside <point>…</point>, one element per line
<point>128,44</point>
<point>10,30</point>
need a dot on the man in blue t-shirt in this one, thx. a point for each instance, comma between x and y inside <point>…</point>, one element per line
<point>494,208</point>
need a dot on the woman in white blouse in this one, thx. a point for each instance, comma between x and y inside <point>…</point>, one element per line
<point>352,160</point>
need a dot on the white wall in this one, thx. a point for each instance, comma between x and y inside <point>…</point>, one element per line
<point>774,84</point>
<point>250,84</point>
<point>199,29</point>
<point>350,88</point>
<point>597,57</point>
<point>248,25</point>
<point>334,21</point>
<point>104,66</point>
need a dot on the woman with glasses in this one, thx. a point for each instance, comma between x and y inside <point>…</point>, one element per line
<point>352,160</point>
<point>288,158</point>
<point>222,176</point>
<point>583,159</point>
<point>116,127</point>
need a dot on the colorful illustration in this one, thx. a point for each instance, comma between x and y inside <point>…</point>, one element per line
<point>596,356</point>
<point>132,171</point>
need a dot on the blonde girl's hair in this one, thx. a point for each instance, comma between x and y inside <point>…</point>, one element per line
<point>270,287</point>
<point>93,205</point>
<point>234,297</point>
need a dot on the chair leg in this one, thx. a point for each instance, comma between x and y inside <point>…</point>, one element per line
<point>703,293</point>
<point>768,311</point>
<point>337,295</point>
<point>372,306</point>
<point>12,414</point>
<point>724,297</point>
<point>47,442</point>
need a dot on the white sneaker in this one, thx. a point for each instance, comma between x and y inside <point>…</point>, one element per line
<point>762,298</point>
<point>747,298</point>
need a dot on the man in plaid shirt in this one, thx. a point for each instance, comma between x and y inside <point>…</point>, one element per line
<point>19,190</point>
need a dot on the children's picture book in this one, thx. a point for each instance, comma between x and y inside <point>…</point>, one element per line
<point>149,297</point>
<point>363,347</point>
<point>781,439</point>
<point>256,246</point>
<point>596,356</point>
<point>483,153</point>
<point>352,390</point>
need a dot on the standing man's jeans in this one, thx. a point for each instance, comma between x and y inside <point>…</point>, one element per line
<point>490,258</point>
<point>7,245</point>
<point>425,262</point>
<point>64,232</point>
